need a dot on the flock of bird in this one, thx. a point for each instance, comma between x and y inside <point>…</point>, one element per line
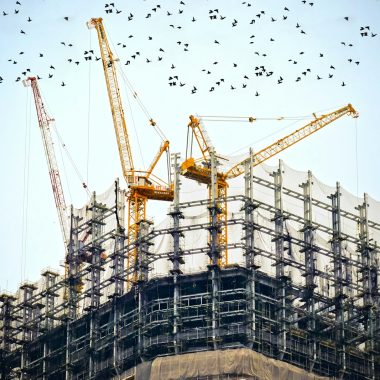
<point>214,16</point>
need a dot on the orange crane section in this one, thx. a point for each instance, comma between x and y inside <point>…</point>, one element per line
<point>200,170</point>
<point>143,185</point>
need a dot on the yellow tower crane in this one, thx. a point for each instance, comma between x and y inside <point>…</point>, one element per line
<point>143,185</point>
<point>200,170</point>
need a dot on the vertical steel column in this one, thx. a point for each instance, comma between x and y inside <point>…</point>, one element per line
<point>50,295</point>
<point>6,318</point>
<point>50,279</point>
<point>176,258</point>
<point>214,253</point>
<point>72,266</point>
<point>339,296</point>
<point>249,240</point>
<point>72,287</point>
<point>27,329</point>
<point>369,283</point>
<point>310,268</point>
<point>95,267</point>
<point>118,273</point>
<point>118,259</point>
<point>142,269</point>
<point>281,277</point>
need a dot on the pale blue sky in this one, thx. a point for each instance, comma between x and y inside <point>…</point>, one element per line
<point>29,231</point>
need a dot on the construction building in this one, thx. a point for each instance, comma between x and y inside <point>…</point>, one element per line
<point>298,289</point>
<point>278,279</point>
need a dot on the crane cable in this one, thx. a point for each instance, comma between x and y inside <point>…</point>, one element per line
<point>63,145</point>
<point>25,197</point>
<point>251,119</point>
<point>135,95</point>
<point>141,104</point>
<point>263,138</point>
<point>127,85</point>
<point>88,113</point>
<point>135,130</point>
<point>357,158</point>
<point>64,170</point>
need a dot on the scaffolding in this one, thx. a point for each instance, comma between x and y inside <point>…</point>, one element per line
<point>290,296</point>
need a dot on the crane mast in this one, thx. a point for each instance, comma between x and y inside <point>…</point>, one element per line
<point>142,184</point>
<point>119,123</point>
<point>201,173</point>
<point>44,121</point>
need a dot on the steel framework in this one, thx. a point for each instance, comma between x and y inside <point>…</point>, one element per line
<point>108,329</point>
